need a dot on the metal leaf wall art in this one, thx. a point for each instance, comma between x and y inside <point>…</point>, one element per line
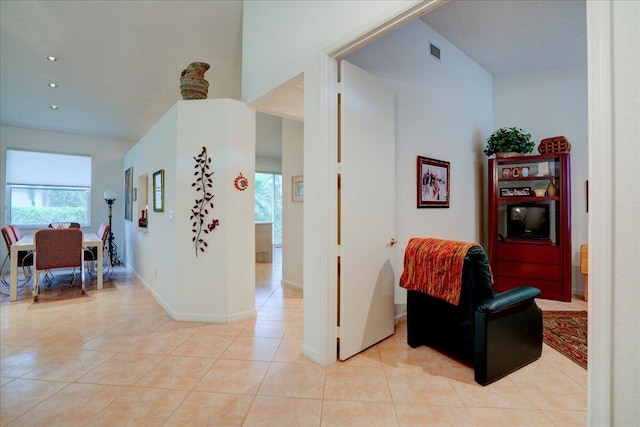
<point>203,202</point>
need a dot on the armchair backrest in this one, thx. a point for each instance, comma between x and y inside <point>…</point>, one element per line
<point>476,277</point>
<point>57,248</point>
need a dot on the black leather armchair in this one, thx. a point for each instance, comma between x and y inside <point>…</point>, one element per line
<point>495,333</point>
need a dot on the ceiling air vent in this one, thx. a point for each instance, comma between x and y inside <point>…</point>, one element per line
<point>435,51</point>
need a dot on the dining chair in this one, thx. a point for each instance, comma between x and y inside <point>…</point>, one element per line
<point>64,225</point>
<point>92,252</point>
<point>58,248</point>
<point>25,258</point>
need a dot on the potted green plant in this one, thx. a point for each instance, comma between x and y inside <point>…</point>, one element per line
<point>509,140</point>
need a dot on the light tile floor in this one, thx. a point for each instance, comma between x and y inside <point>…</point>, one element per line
<point>114,357</point>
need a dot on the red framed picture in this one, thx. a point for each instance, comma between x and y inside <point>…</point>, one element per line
<point>432,183</point>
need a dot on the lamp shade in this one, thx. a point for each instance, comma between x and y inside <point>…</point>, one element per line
<point>109,195</point>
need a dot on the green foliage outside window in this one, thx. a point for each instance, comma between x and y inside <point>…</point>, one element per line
<point>268,202</point>
<point>37,216</point>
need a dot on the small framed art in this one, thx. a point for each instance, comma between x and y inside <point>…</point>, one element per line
<point>432,183</point>
<point>158,191</point>
<point>515,192</point>
<point>297,188</point>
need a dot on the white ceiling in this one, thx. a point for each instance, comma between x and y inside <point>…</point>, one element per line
<point>120,61</point>
<point>515,36</point>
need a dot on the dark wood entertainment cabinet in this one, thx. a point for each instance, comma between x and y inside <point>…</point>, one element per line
<point>544,261</point>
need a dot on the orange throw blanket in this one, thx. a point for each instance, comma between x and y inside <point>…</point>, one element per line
<point>434,267</point>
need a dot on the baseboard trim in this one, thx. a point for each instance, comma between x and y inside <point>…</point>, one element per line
<point>292,285</point>
<point>193,317</point>
<point>399,318</point>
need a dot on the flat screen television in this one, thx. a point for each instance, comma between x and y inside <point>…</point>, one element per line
<point>528,221</point>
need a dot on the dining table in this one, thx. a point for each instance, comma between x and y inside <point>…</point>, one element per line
<point>26,243</point>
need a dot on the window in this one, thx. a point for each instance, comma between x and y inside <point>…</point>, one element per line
<point>268,203</point>
<point>45,187</point>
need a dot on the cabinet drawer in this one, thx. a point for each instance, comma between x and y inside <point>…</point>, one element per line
<point>529,270</point>
<point>529,253</point>
<point>548,289</point>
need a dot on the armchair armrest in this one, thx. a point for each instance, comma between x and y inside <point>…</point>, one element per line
<point>508,299</point>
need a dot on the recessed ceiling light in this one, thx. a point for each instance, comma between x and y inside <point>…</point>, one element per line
<point>53,85</point>
<point>53,107</point>
<point>52,58</point>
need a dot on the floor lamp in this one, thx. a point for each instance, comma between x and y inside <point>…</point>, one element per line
<point>110,198</point>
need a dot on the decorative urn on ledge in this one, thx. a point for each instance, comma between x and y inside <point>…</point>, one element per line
<point>192,82</point>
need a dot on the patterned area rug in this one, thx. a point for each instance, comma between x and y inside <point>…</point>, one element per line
<point>566,331</point>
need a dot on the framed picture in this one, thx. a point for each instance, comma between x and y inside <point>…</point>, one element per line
<point>128,194</point>
<point>158,191</point>
<point>297,188</point>
<point>515,192</point>
<point>432,183</point>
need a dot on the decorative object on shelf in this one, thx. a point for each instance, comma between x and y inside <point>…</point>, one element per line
<point>297,188</point>
<point>506,172</point>
<point>128,194</point>
<point>203,202</point>
<point>432,187</point>
<point>524,171</point>
<point>110,198</point>
<point>142,221</point>
<point>241,183</point>
<point>515,192</point>
<point>556,144</point>
<point>505,141</point>
<point>540,192</point>
<point>552,190</point>
<point>192,82</point>
<point>516,172</point>
<point>158,191</point>
<point>543,169</point>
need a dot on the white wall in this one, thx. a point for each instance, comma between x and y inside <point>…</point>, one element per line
<point>218,285</point>
<point>552,103</point>
<point>106,169</point>
<point>442,112</point>
<point>625,382</point>
<point>292,212</point>
<point>281,38</point>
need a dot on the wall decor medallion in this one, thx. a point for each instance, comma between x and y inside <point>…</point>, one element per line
<point>241,183</point>
<point>433,183</point>
<point>203,201</point>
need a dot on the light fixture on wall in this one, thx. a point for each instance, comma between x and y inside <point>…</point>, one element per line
<point>110,198</point>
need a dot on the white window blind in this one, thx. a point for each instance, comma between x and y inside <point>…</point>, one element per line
<point>44,188</point>
<point>38,168</point>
